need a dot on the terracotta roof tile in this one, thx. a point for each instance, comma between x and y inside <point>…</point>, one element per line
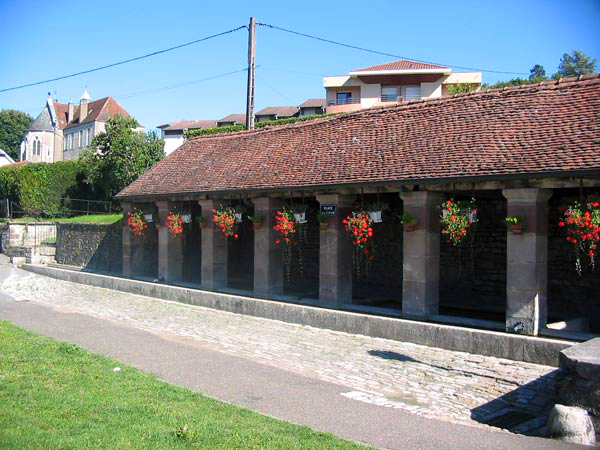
<point>235,118</point>
<point>99,110</point>
<point>188,124</point>
<point>543,128</point>
<point>401,65</point>
<point>280,111</point>
<point>314,103</point>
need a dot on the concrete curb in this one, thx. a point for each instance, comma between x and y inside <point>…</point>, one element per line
<point>489,343</point>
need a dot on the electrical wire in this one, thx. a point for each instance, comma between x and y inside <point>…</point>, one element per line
<point>125,61</point>
<point>174,86</point>
<point>276,91</point>
<point>382,53</point>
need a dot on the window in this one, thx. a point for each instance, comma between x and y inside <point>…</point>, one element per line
<point>80,138</point>
<point>412,93</point>
<point>37,146</point>
<point>343,98</point>
<point>390,93</point>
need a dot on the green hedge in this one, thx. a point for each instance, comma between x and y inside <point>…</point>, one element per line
<point>38,187</point>
<point>288,120</point>
<point>188,134</point>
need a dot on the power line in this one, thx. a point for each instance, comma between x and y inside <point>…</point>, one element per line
<point>174,86</point>
<point>275,90</point>
<point>382,53</point>
<point>126,61</point>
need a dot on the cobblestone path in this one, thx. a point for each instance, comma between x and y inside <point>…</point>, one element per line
<point>431,382</point>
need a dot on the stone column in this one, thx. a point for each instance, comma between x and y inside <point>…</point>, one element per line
<point>421,255</point>
<point>335,254</point>
<point>527,261</point>
<point>268,257</point>
<point>170,249</point>
<point>214,250</point>
<point>127,244</point>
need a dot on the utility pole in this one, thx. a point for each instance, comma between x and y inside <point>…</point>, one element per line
<point>251,51</point>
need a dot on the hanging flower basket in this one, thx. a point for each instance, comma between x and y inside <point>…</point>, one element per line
<point>286,226</point>
<point>359,227</point>
<point>456,219</point>
<point>225,220</point>
<point>582,224</point>
<point>174,224</point>
<point>136,222</point>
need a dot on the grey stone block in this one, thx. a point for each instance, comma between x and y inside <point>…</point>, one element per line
<point>584,359</point>
<point>571,424</point>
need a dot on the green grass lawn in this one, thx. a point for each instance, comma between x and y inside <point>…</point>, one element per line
<point>57,395</point>
<point>93,218</point>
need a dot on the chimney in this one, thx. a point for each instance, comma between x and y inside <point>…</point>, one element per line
<point>70,112</point>
<point>83,106</point>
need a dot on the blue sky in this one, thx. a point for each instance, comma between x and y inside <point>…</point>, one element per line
<point>41,40</point>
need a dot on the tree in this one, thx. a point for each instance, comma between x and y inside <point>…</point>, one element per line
<point>12,127</point>
<point>120,155</point>
<point>537,73</point>
<point>574,65</point>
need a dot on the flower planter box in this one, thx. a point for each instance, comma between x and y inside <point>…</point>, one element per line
<point>257,225</point>
<point>516,229</point>
<point>409,227</point>
<point>300,217</point>
<point>375,216</point>
<point>202,225</point>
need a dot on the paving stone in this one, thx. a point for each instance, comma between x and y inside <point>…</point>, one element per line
<point>428,381</point>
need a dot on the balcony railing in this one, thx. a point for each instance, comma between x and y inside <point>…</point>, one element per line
<point>343,101</point>
<point>399,98</point>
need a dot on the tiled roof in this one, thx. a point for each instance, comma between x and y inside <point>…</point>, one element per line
<point>188,124</point>
<point>280,111</point>
<point>401,65</point>
<point>99,110</point>
<point>236,118</point>
<point>61,110</point>
<point>551,127</point>
<point>314,103</point>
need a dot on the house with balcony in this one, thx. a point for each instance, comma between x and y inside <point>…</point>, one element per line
<point>395,82</point>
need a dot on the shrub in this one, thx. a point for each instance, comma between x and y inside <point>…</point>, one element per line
<point>38,188</point>
<point>188,134</point>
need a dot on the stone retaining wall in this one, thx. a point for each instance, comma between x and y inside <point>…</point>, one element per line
<point>92,246</point>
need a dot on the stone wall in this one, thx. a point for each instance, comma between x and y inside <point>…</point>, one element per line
<point>97,247</point>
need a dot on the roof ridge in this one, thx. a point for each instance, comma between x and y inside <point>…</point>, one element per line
<point>593,78</point>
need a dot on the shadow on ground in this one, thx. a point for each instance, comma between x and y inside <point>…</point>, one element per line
<point>524,410</point>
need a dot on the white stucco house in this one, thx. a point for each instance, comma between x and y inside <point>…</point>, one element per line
<point>390,83</point>
<point>172,133</point>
